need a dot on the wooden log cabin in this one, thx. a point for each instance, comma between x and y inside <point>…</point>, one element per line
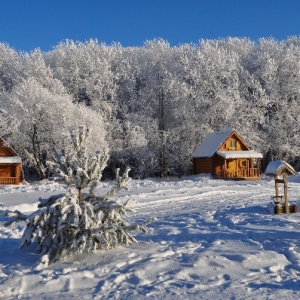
<point>10,165</point>
<point>226,155</point>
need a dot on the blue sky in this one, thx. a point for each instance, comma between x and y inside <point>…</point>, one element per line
<point>29,24</point>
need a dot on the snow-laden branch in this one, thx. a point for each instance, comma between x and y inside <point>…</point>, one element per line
<point>75,222</point>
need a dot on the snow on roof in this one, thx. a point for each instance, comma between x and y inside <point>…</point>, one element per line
<point>240,154</point>
<point>211,143</point>
<point>10,159</point>
<point>275,167</point>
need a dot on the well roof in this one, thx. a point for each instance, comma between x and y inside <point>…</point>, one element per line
<point>278,167</point>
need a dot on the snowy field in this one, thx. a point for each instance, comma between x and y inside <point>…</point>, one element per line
<point>212,239</point>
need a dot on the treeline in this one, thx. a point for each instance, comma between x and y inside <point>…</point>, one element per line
<point>151,105</point>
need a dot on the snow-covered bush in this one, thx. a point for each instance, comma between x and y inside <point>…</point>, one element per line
<point>77,222</point>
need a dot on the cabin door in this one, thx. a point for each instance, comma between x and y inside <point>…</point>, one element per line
<point>243,167</point>
<point>231,167</point>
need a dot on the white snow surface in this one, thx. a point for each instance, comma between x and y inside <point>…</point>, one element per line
<point>240,154</point>
<point>212,239</point>
<point>10,159</point>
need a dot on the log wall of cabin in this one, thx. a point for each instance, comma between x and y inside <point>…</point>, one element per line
<point>5,170</point>
<point>18,173</point>
<point>219,164</point>
<point>203,165</point>
<point>11,171</point>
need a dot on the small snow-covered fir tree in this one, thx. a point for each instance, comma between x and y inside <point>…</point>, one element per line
<point>77,222</point>
<point>77,167</point>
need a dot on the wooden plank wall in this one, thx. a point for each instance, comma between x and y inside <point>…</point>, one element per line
<point>202,165</point>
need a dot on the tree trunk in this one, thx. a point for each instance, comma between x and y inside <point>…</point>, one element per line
<point>162,135</point>
<point>36,153</point>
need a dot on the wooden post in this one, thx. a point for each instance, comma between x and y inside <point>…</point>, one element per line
<point>276,188</point>
<point>248,168</point>
<point>285,194</point>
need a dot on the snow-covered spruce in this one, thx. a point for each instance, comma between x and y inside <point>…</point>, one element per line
<point>64,225</point>
<point>76,166</point>
<point>75,222</point>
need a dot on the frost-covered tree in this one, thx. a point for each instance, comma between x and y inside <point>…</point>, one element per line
<point>157,102</point>
<point>4,123</point>
<point>40,119</point>
<point>77,222</point>
<point>85,70</point>
<point>10,67</point>
<point>35,66</point>
<point>28,103</point>
<point>76,167</point>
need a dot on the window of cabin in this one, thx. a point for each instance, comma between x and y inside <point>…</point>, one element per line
<point>233,144</point>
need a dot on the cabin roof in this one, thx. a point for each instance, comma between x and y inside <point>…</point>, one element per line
<point>278,167</point>
<point>213,141</point>
<point>240,154</point>
<point>10,159</point>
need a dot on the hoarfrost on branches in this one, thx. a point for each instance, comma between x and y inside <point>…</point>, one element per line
<point>77,222</point>
<point>155,103</point>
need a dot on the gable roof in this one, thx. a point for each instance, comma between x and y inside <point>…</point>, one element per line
<point>278,167</point>
<point>213,141</point>
<point>12,157</point>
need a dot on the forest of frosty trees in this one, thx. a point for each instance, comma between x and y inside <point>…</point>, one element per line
<point>150,106</point>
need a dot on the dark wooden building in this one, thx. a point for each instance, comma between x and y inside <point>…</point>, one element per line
<point>10,165</point>
<point>225,154</point>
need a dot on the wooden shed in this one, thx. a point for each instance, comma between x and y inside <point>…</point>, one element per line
<point>10,165</point>
<point>225,154</point>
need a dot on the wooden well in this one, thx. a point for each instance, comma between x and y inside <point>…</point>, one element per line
<point>280,170</point>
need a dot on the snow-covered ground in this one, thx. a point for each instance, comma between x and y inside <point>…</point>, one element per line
<point>213,239</point>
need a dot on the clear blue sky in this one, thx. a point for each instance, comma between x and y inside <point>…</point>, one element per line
<point>29,24</point>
